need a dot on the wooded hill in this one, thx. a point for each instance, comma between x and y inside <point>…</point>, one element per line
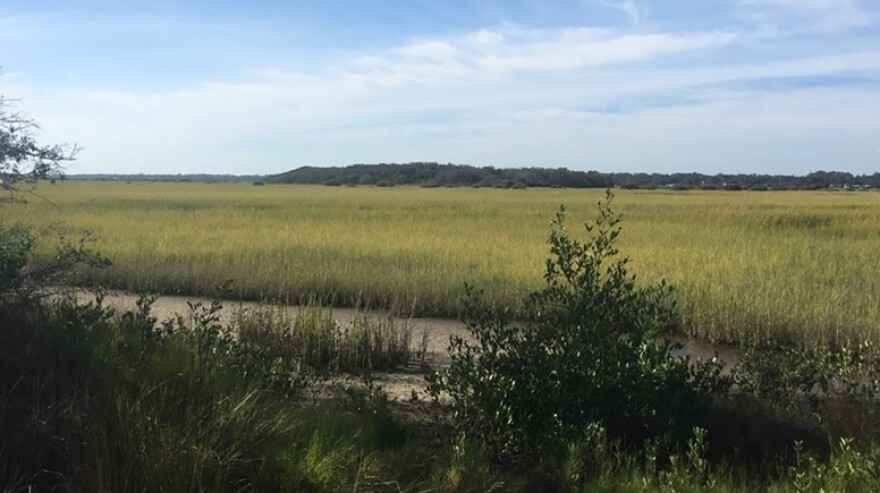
<point>453,175</point>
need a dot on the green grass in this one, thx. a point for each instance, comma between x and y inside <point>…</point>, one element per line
<point>748,266</point>
<point>314,339</point>
<point>91,404</point>
<point>97,401</point>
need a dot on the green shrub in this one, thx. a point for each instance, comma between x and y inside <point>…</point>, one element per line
<point>93,400</point>
<point>594,355</point>
<point>23,281</point>
<point>834,390</point>
<point>848,469</point>
<point>784,373</point>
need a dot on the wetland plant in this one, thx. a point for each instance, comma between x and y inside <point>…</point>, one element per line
<point>593,355</point>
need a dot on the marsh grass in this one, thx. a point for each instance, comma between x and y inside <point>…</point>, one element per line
<point>317,340</point>
<point>101,401</point>
<point>94,400</point>
<point>749,267</point>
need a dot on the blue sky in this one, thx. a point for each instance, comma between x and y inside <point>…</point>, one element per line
<point>714,86</point>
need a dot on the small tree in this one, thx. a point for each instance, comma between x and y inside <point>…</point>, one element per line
<point>22,159</point>
<point>594,354</point>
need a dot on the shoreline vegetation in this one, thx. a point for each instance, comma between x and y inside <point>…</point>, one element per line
<point>104,399</point>
<point>99,399</point>
<point>752,268</point>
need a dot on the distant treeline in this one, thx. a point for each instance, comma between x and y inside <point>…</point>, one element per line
<point>198,177</point>
<point>452,175</point>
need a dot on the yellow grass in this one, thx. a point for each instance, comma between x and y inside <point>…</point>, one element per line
<point>801,266</point>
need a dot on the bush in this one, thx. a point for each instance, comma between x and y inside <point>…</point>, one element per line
<point>94,400</point>
<point>834,388</point>
<point>24,281</point>
<point>594,354</point>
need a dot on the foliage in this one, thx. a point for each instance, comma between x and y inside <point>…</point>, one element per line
<point>832,389</point>
<point>22,159</point>
<point>771,266</point>
<point>98,400</point>
<point>22,281</point>
<point>789,374</point>
<point>470,470</point>
<point>442,175</point>
<point>593,355</point>
<point>451,175</point>
<point>848,469</point>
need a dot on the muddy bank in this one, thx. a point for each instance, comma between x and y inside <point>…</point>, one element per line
<point>437,330</point>
<point>400,384</point>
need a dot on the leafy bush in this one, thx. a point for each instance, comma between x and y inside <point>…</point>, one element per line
<point>94,400</point>
<point>782,374</point>
<point>848,469</point>
<point>593,355</point>
<point>834,389</point>
<point>98,400</point>
<point>23,281</point>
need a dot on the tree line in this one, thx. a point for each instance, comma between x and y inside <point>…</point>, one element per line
<point>453,175</point>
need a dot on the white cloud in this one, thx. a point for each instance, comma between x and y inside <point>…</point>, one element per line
<point>505,51</point>
<point>628,7</point>
<point>578,97</point>
<point>824,15</point>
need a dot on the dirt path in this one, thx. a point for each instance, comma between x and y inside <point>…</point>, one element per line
<point>399,385</point>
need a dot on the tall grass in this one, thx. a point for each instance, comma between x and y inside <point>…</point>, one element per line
<point>748,266</point>
<point>314,338</point>
<point>98,401</point>
<point>95,401</point>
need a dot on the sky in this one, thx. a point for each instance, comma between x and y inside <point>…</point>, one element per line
<point>261,87</point>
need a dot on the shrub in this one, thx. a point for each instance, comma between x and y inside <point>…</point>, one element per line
<point>99,401</point>
<point>23,281</point>
<point>594,354</point>
<point>835,388</point>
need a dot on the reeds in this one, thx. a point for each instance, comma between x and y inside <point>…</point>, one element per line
<point>95,402</point>
<point>317,340</point>
<point>92,402</point>
<point>758,267</point>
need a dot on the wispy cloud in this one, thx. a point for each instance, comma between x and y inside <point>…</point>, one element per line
<point>628,7</point>
<point>825,15</point>
<point>727,96</point>
<point>500,52</point>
